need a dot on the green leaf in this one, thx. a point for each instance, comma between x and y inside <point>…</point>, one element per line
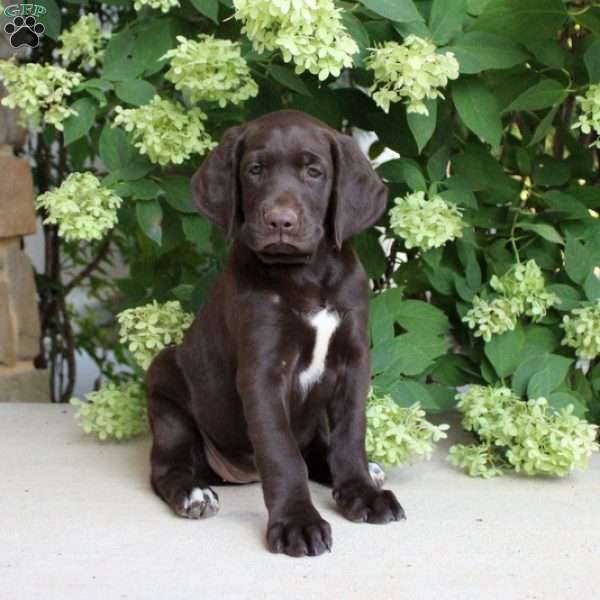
<point>149,215</point>
<point>559,400</point>
<point>446,19</point>
<point>370,253</point>
<point>549,377</point>
<point>382,311</point>
<point>178,193</point>
<point>504,350</point>
<point>405,393</point>
<point>409,354</point>
<point>115,149</point>
<point>577,260</point>
<point>544,94</point>
<point>153,37</point>
<point>543,128</point>
<point>51,19</point>
<point>197,230</point>
<point>209,8</point>
<point>591,287</point>
<point>76,126</point>
<point>423,126</point>
<point>395,10</point>
<point>403,170</point>
<point>570,298</point>
<point>591,58</point>
<point>135,92</point>
<point>548,232</point>
<point>522,19</point>
<point>478,109</point>
<point>526,371</point>
<point>478,51</point>
<point>289,79</point>
<point>142,189</point>
<point>417,351</point>
<point>360,34</point>
<point>420,317</point>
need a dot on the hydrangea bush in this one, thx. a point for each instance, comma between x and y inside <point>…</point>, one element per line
<point>484,268</point>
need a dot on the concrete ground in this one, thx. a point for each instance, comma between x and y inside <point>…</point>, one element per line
<point>78,520</point>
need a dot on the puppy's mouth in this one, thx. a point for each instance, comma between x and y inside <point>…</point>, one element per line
<point>283,253</point>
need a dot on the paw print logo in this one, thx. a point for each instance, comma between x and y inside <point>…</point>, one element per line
<point>24,32</point>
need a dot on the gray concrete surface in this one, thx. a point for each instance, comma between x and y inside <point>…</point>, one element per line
<point>78,520</point>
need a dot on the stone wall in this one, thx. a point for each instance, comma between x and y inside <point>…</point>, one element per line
<point>19,316</point>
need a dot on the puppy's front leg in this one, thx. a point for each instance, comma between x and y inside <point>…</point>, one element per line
<point>295,527</point>
<point>357,496</point>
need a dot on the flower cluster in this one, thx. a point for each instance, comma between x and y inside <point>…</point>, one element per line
<point>163,5</point>
<point>309,32</point>
<point>521,291</point>
<point>210,70</point>
<point>148,329</point>
<point>114,411</point>
<point>81,207</point>
<point>395,434</point>
<point>425,222</point>
<point>529,437</point>
<point>589,118</point>
<point>582,331</point>
<point>84,40</point>
<point>410,72</point>
<point>39,91</point>
<point>492,318</point>
<point>525,285</point>
<point>165,131</point>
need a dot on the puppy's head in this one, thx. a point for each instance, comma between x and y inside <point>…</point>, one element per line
<point>284,181</point>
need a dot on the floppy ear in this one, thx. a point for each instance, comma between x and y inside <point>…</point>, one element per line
<point>215,187</point>
<point>359,197</point>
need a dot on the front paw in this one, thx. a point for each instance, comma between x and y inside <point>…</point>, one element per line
<point>364,503</point>
<point>301,534</point>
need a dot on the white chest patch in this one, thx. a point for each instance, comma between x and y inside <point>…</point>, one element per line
<point>325,322</point>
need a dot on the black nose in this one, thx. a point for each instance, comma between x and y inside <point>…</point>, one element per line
<point>281,219</point>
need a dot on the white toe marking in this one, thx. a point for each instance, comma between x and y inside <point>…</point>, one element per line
<point>202,495</point>
<point>325,322</point>
<point>377,473</point>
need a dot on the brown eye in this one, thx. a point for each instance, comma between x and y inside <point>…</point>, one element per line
<point>255,169</point>
<point>313,172</point>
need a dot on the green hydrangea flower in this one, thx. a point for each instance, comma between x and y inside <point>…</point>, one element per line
<point>529,437</point>
<point>522,292</point>
<point>477,460</point>
<point>582,331</point>
<point>148,329</point>
<point>162,5</point>
<point>84,40</point>
<point>589,118</point>
<point>166,131</point>
<point>425,222</point>
<point>81,207</point>
<point>492,318</point>
<point>39,92</point>
<point>525,284</point>
<point>210,70</point>
<point>395,434</point>
<point>308,32</point>
<point>410,72</point>
<point>115,411</point>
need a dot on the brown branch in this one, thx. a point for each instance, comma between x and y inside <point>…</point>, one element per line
<point>103,250</point>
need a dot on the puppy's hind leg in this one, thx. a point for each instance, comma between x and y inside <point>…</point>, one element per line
<point>180,474</point>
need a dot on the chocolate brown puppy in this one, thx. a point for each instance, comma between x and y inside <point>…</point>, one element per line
<point>271,380</point>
